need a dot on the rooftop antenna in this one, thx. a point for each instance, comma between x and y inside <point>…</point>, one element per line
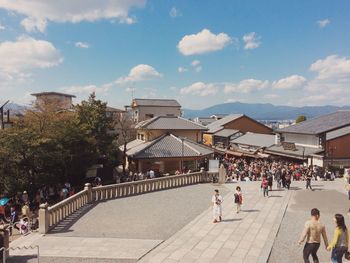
<point>132,93</point>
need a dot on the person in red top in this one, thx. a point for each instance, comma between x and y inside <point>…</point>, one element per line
<point>265,186</point>
<point>238,198</point>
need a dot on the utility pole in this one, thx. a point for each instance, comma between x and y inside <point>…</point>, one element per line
<point>2,113</point>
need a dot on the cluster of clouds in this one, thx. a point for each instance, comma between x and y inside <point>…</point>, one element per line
<point>329,84</point>
<point>23,55</point>
<point>38,13</point>
<point>195,65</point>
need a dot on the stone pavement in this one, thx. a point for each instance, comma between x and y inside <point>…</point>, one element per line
<point>329,198</point>
<point>264,225</point>
<point>245,237</point>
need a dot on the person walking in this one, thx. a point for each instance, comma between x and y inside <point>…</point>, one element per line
<point>340,242</point>
<point>265,186</point>
<point>270,181</point>
<point>238,199</point>
<point>217,209</point>
<point>308,179</point>
<point>312,233</point>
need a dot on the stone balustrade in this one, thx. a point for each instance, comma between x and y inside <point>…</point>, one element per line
<point>49,217</point>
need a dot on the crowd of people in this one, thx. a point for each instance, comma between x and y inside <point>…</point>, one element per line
<point>282,172</point>
<point>21,210</point>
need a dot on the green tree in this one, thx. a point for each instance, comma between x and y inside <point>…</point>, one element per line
<point>48,146</point>
<point>300,118</point>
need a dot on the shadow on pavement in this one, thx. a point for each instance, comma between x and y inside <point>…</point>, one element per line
<point>65,225</point>
<point>250,210</point>
<point>231,220</point>
<point>22,259</point>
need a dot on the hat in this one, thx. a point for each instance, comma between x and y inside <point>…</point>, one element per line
<point>25,192</point>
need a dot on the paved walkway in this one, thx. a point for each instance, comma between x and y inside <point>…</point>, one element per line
<point>329,198</point>
<point>245,237</point>
<point>183,219</point>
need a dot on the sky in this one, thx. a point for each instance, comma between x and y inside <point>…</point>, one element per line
<point>202,53</point>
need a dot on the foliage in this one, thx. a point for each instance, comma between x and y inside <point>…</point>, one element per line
<point>49,146</point>
<point>300,118</point>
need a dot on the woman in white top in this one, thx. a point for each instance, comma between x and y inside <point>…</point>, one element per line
<point>217,209</point>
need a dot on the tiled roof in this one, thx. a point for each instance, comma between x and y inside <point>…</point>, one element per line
<point>111,109</point>
<point>226,132</point>
<point>52,93</point>
<point>218,125</point>
<point>169,123</point>
<point>338,133</point>
<point>256,139</point>
<point>157,102</point>
<point>299,152</point>
<point>168,146</point>
<point>321,124</point>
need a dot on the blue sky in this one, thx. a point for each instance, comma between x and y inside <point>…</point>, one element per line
<point>202,53</point>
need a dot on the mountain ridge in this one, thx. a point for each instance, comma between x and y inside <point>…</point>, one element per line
<point>264,111</point>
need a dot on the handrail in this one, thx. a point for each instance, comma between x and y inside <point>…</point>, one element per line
<point>49,217</point>
<point>67,200</point>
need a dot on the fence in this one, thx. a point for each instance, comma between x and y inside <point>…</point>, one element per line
<point>6,255</point>
<point>49,217</point>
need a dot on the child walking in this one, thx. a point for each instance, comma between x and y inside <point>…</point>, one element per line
<point>238,199</point>
<point>264,186</point>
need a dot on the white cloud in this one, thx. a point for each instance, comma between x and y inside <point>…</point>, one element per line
<point>251,40</point>
<point>32,24</point>
<point>198,68</point>
<point>82,45</point>
<point>27,53</point>
<point>200,88</point>
<point>175,12</point>
<point>331,83</point>
<point>293,81</point>
<point>2,27</point>
<point>246,86</point>
<point>140,73</point>
<point>271,96</point>
<point>182,69</point>
<point>73,11</point>
<point>195,63</point>
<point>203,42</point>
<point>323,23</point>
<point>76,89</point>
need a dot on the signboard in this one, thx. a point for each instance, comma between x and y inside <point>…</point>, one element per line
<point>213,166</point>
<point>289,146</point>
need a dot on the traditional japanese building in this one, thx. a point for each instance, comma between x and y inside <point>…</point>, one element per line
<point>166,144</point>
<point>320,141</point>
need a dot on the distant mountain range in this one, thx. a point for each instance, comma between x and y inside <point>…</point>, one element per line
<point>15,108</point>
<point>261,111</point>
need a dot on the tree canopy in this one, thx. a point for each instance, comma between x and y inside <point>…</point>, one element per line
<point>49,146</point>
<point>300,118</point>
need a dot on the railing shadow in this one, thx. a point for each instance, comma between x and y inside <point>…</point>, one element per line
<point>65,225</point>
<point>21,259</point>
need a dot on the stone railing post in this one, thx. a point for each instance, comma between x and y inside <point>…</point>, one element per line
<point>204,175</point>
<point>5,237</point>
<point>44,219</point>
<point>88,187</point>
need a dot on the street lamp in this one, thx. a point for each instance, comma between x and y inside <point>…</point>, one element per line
<point>182,153</point>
